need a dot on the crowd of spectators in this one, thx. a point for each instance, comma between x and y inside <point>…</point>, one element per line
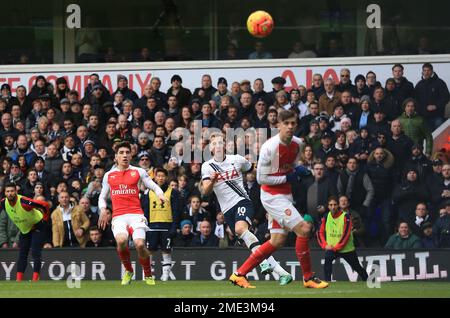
<point>366,141</point>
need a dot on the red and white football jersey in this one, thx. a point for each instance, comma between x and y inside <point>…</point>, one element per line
<point>276,160</point>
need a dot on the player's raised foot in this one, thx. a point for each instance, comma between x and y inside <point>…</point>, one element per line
<point>240,281</point>
<point>265,268</point>
<point>314,282</point>
<point>285,279</point>
<point>127,277</point>
<point>150,280</point>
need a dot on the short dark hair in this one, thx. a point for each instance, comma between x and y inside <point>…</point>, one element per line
<point>94,228</point>
<point>157,170</point>
<point>9,185</point>
<point>332,198</point>
<point>285,115</point>
<point>398,65</point>
<point>427,65</point>
<point>123,144</point>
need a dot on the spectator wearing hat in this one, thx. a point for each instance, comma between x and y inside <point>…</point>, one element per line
<point>440,191</point>
<point>408,193</point>
<point>176,89</point>
<point>345,83</point>
<point>420,162</point>
<point>64,107</point>
<point>337,117</point>
<point>260,52</point>
<point>379,124</point>
<point>324,124</point>
<point>379,101</point>
<point>40,88</point>
<point>363,115</point>
<point>296,104</point>
<point>122,86</point>
<point>94,79</point>
<point>185,236</point>
<point>278,86</point>
<point>222,90</point>
<point>435,177</point>
<point>432,96</point>
<point>330,99</point>
<point>403,239</point>
<point>403,88</point>
<point>360,90</point>
<point>206,91</point>
<point>427,235</point>
<point>96,99</point>
<point>5,93</point>
<point>327,147</point>
<point>245,86</point>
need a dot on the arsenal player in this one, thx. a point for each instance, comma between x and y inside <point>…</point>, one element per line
<point>122,183</point>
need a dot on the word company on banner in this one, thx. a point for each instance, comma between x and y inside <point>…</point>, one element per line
<point>295,75</point>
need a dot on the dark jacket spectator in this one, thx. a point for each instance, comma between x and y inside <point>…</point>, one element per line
<point>357,186</point>
<point>380,173</point>
<point>440,192</point>
<point>408,193</point>
<point>432,91</point>
<point>206,237</point>
<point>441,230</point>
<point>185,236</point>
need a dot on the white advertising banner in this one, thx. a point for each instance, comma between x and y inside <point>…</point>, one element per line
<point>296,73</point>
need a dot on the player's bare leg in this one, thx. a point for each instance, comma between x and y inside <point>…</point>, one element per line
<point>303,230</point>
<point>124,255</point>
<point>268,265</point>
<point>144,259</point>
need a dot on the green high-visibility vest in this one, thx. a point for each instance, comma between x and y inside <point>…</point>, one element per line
<point>23,219</point>
<point>335,230</point>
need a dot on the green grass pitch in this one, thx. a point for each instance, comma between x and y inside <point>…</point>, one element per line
<point>219,289</point>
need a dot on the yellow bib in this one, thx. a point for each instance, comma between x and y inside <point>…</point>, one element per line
<point>160,212</point>
<point>23,219</point>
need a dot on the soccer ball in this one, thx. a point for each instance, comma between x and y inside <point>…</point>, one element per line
<point>260,24</point>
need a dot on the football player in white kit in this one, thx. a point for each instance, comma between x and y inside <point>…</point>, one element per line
<point>277,169</point>
<point>223,175</point>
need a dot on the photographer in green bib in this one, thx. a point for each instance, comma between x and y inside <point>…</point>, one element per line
<point>31,217</point>
<point>336,238</point>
